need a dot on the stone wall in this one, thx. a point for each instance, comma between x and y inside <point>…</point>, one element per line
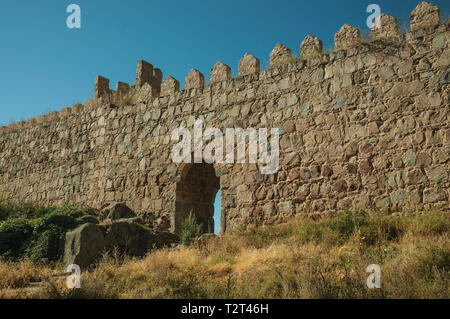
<point>366,125</point>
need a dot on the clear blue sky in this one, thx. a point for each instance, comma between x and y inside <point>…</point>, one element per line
<point>44,66</point>
<point>217,213</point>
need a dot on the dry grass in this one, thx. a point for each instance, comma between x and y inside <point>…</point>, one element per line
<point>300,259</point>
<point>17,275</point>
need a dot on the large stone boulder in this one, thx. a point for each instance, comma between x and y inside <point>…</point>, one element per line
<point>118,211</point>
<point>130,238</point>
<point>84,245</point>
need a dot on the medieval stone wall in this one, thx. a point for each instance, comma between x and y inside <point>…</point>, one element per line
<point>366,125</point>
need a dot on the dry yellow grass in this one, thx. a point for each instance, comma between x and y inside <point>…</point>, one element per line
<point>17,275</point>
<point>301,259</point>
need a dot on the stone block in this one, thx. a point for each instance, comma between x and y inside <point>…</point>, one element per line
<point>220,72</point>
<point>248,65</point>
<point>311,47</point>
<point>194,80</point>
<point>425,15</point>
<point>347,37</point>
<point>280,55</point>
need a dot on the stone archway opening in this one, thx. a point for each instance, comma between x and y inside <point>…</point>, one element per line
<point>196,191</point>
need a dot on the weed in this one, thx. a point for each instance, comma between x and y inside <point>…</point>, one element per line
<point>190,229</point>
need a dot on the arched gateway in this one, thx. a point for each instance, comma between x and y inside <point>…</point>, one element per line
<point>196,191</point>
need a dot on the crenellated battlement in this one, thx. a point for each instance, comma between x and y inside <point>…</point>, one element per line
<point>425,19</point>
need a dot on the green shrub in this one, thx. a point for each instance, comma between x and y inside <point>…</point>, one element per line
<point>35,232</point>
<point>15,235</point>
<point>190,229</point>
<point>20,209</point>
<point>48,236</point>
<point>46,246</point>
<point>10,209</point>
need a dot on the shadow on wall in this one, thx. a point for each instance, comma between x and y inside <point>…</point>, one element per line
<point>196,192</point>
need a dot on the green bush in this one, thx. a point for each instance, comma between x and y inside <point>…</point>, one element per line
<point>15,235</point>
<point>20,209</point>
<point>9,209</point>
<point>34,232</point>
<point>48,236</point>
<point>190,229</point>
<point>45,246</point>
